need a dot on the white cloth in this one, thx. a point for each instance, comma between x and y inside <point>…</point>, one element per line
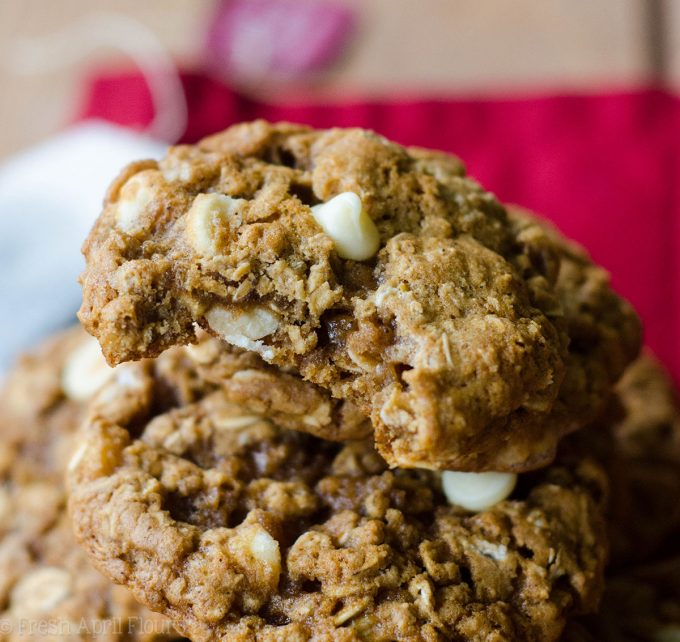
<point>49,198</point>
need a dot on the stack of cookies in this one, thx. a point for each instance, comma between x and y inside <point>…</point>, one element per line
<point>350,396</point>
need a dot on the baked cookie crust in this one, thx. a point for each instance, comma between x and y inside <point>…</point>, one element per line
<point>451,338</point>
<point>238,529</point>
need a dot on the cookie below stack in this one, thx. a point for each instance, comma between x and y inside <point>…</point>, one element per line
<point>172,472</point>
<point>48,587</point>
<point>641,600</point>
<point>237,528</point>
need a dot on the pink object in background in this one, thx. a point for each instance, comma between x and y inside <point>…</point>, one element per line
<point>254,39</point>
<point>605,168</point>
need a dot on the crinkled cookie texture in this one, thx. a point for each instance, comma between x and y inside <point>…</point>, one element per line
<point>282,396</point>
<point>238,529</point>
<point>48,587</point>
<point>458,339</point>
<point>637,441</point>
<point>604,331</point>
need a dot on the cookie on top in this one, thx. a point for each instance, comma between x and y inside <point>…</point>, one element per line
<point>379,273</point>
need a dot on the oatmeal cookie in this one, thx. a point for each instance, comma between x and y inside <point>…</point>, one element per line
<point>603,331</point>
<point>636,440</point>
<point>380,273</point>
<point>644,467</point>
<point>640,451</point>
<point>48,588</point>
<point>238,529</point>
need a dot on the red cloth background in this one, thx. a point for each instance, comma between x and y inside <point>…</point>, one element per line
<point>604,168</point>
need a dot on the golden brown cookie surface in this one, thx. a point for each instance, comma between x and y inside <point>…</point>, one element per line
<point>237,528</point>
<point>282,396</point>
<point>48,588</point>
<point>451,338</point>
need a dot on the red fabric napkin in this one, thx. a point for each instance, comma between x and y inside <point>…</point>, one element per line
<point>604,168</point>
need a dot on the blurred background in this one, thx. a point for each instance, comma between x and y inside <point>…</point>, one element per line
<point>424,46</point>
<point>567,107</point>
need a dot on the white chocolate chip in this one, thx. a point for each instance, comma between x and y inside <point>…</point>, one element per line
<point>135,196</point>
<point>41,590</point>
<point>354,233</point>
<point>181,171</point>
<point>477,491</point>
<point>244,328</point>
<point>265,548</point>
<point>254,542</point>
<point>85,371</point>
<point>129,377</point>
<point>206,215</point>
